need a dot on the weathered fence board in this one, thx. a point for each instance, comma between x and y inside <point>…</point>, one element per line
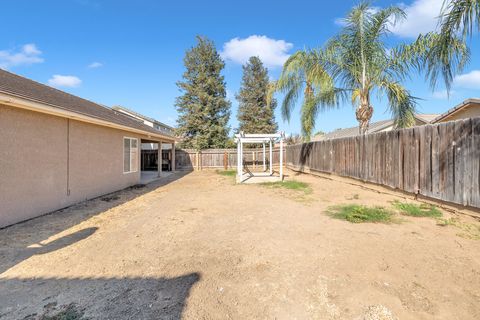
<point>441,161</point>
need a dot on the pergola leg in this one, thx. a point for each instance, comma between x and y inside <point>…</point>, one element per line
<point>238,160</point>
<point>271,158</point>
<point>241,159</point>
<point>281,159</point>
<point>264,165</point>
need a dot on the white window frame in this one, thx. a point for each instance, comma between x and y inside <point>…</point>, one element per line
<point>130,155</point>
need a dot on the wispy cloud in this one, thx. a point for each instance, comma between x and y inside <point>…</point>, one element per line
<point>272,52</point>
<point>95,65</point>
<point>64,81</point>
<point>442,94</point>
<point>27,55</point>
<point>469,80</point>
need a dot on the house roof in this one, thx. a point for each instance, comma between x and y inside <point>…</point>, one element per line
<point>457,108</point>
<point>427,118</point>
<point>353,131</point>
<point>373,127</point>
<point>18,86</point>
<point>139,115</point>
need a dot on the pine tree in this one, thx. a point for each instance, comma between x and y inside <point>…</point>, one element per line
<point>203,108</point>
<point>254,114</point>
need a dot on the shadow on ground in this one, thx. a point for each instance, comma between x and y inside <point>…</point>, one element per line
<point>23,240</point>
<point>92,298</point>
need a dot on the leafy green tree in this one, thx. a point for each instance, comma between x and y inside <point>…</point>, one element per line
<point>255,115</point>
<point>356,63</point>
<point>203,108</point>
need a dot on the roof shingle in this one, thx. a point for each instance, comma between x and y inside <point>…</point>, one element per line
<point>25,88</point>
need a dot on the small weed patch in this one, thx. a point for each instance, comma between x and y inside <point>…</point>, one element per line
<point>289,184</point>
<point>357,213</point>
<point>415,210</point>
<point>468,230</point>
<point>227,173</point>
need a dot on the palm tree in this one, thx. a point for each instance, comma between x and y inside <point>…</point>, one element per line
<point>460,16</point>
<point>356,64</point>
<point>457,17</point>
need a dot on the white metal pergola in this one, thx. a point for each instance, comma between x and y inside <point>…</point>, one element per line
<point>271,139</point>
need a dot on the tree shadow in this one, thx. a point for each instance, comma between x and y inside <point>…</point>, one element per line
<point>95,298</point>
<point>10,258</point>
<point>305,152</point>
<point>25,239</point>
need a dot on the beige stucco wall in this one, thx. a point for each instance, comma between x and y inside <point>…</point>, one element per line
<point>34,149</point>
<point>470,111</point>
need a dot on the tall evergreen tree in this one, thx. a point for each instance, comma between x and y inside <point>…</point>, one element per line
<point>203,108</point>
<point>255,115</point>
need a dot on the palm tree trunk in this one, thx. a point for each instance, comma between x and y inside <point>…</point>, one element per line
<point>364,114</point>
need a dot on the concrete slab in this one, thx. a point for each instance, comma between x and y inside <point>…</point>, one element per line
<point>150,176</point>
<point>258,177</point>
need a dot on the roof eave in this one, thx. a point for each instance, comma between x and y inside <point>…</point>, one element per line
<point>32,105</point>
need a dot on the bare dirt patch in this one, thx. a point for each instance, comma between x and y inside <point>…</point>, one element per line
<point>201,247</point>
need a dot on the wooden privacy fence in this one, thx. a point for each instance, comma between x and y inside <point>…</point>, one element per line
<point>440,161</point>
<point>188,159</point>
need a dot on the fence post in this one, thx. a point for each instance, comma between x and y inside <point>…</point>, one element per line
<point>225,160</point>
<point>197,160</point>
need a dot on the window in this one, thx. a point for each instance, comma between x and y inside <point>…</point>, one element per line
<point>130,155</point>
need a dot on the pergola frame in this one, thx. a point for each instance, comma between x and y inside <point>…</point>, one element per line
<point>243,138</point>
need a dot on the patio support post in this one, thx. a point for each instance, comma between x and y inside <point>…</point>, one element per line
<point>264,166</point>
<point>271,157</point>
<point>173,156</point>
<point>281,159</point>
<point>159,159</point>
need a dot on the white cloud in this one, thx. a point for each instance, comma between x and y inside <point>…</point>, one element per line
<point>28,54</point>
<point>64,81</point>
<point>422,17</point>
<point>469,80</point>
<point>95,65</point>
<point>273,53</point>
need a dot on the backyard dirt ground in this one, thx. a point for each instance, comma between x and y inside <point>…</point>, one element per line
<point>197,246</point>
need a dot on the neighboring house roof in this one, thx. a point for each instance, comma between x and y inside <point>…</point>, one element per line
<point>121,108</point>
<point>466,103</point>
<point>372,128</point>
<point>353,131</point>
<point>427,118</point>
<point>17,86</point>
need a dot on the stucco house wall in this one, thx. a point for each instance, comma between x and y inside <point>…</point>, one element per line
<point>49,162</point>
<point>470,111</point>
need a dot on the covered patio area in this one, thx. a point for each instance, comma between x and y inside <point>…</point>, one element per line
<point>157,159</point>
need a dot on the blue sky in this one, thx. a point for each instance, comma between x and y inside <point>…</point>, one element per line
<point>130,52</point>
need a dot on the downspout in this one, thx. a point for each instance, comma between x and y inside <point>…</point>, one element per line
<point>68,157</point>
